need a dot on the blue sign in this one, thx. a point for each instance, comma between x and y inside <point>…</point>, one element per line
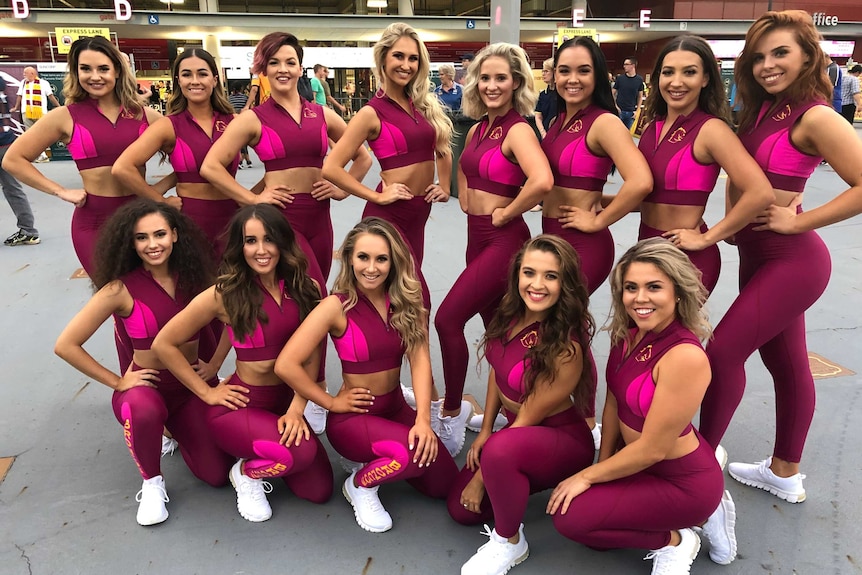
<point>471,24</point>
<point>153,18</point>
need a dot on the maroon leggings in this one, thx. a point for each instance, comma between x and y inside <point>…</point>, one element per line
<point>779,278</point>
<point>640,511</point>
<point>708,260</point>
<point>517,462</point>
<point>380,438</point>
<point>144,412</point>
<point>251,433</point>
<point>409,218</point>
<point>212,217</point>
<point>596,253</point>
<point>478,289</point>
<point>310,218</point>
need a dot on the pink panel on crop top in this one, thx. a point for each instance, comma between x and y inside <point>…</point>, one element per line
<point>152,309</point>
<point>368,345</point>
<point>406,138</point>
<point>285,143</point>
<point>192,145</point>
<point>572,162</point>
<point>268,338</point>
<point>483,161</point>
<point>95,141</point>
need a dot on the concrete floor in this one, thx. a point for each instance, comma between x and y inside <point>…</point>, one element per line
<point>67,503</point>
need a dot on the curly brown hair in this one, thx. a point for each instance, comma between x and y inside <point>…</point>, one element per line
<point>242,299</point>
<point>568,320</point>
<point>811,85</point>
<point>116,255</point>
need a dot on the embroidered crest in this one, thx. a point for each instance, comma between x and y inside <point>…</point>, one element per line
<point>220,126</point>
<point>783,114</point>
<point>644,354</point>
<point>530,339</point>
<point>678,136</point>
<point>576,127</point>
<point>126,115</point>
<point>307,113</point>
<point>496,133</point>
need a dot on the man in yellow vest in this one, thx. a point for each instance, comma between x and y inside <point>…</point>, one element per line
<point>34,94</point>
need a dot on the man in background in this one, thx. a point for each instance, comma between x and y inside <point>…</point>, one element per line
<point>34,94</point>
<point>851,95</point>
<point>466,60</point>
<point>628,92</point>
<point>321,72</point>
<point>27,235</point>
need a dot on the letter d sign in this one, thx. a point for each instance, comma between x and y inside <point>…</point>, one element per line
<point>122,9</point>
<point>20,9</point>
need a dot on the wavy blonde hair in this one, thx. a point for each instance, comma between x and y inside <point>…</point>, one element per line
<point>419,90</point>
<point>409,317</point>
<point>687,287</point>
<point>524,97</point>
<point>125,88</point>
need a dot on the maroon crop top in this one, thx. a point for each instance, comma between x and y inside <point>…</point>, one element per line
<point>509,361</point>
<point>406,138</point>
<point>268,338</point>
<point>193,144</point>
<point>152,308</point>
<point>572,162</point>
<point>483,162</point>
<point>95,141</point>
<point>679,178</point>
<point>786,166</point>
<point>630,379</point>
<point>368,344</point>
<point>285,143</point>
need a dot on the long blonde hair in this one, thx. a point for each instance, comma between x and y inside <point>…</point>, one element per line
<point>523,98</point>
<point>688,289</point>
<point>419,88</point>
<point>125,88</point>
<point>409,317</point>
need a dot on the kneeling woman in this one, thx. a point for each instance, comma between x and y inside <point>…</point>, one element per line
<point>148,266</point>
<point>263,292</point>
<point>665,478</point>
<point>539,375</point>
<point>375,316</point>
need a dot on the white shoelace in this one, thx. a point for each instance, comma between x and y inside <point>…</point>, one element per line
<point>163,494</point>
<point>256,488</point>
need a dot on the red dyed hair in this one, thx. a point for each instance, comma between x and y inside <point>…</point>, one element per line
<point>269,45</point>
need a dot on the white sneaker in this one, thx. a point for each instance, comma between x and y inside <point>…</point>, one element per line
<point>435,416</point>
<point>721,456</point>
<point>597,436</point>
<point>475,423</point>
<point>250,495</point>
<point>497,556</point>
<point>369,512</point>
<point>720,531</point>
<point>409,396</point>
<point>453,429</point>
<point>677,560</point>
<point>316,417</point>
<point>152,498</point>
<point>761,476</point>
<point>169,445</point>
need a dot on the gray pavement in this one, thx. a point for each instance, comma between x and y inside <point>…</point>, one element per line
<point>67,504</point>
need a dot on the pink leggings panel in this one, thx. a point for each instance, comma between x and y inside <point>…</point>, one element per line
<point>478,290</point>
<point>144,412</point>
<point>641,510</point>
<point>779,277</point>
<point>517,462</point>
<point>708,261</point>
<point>409,218</point>
<point>251,433</point>
<point>380,438</point>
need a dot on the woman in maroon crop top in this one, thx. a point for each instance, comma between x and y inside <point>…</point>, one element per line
<point>507,175</point>
<point>375,317</point>
<point>655,477</point>
<point>202,114</point>
<point>787,124</point>
<point>151,261</point>
<point>263,291</point>
<point>687,102</point>
<point>540,377</point>
<point>99,77</point>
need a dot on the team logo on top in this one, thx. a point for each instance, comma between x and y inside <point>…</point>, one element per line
<point>678,136</point>
<point>306,113</point>
<point>220,126</point>
<point>126,115</point>
<point>576,127</point>
<point>644,354</point>
<point>496,133</point>
<point>783,114</point>
<point>530,339</point>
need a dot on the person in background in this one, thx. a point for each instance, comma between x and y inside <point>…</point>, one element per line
<point>449,92</point>
<point>629,91</point>
<point>259,92</point>
<point>317,88</point>
<point>466,60</point>
<point>238,99</point>
<point>27,234</point>
<point>546,106</point>
<point>321,72</point>
<point>851,95</point>
<point>34,94</point>
<point>833,70</point>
